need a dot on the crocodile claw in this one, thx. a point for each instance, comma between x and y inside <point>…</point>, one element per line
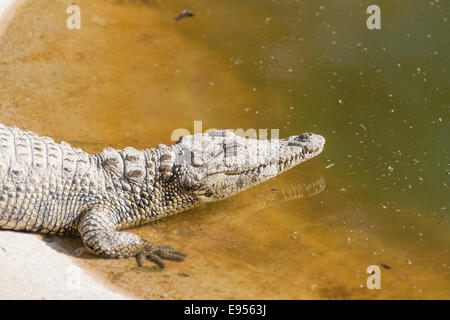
<point>157,254</point>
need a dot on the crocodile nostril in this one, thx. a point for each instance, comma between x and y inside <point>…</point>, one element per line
<point>305,136</point>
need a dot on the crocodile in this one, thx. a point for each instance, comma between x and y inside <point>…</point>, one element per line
<point>53,188</point>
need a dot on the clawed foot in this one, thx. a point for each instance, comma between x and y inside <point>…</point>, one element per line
<point>156,254</point>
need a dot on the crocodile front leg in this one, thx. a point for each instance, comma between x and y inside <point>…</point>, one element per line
<point>99,234</point>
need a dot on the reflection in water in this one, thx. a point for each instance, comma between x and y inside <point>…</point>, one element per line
<point>272,193</point>
<point>131,76</point>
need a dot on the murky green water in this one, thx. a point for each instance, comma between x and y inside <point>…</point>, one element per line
<point>378,195</point>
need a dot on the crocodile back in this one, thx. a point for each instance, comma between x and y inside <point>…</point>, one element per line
<point>39,177</point>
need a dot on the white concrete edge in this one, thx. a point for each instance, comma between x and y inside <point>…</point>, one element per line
<point>4,5</point>
<point>31,268</point>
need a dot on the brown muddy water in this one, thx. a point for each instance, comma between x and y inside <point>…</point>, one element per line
<point>378,195</point>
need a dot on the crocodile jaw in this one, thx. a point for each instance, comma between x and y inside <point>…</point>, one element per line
<point>219,164</point>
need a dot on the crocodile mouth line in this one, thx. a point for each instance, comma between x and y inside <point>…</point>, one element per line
<point>305,153</point>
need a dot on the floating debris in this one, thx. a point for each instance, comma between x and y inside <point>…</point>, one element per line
<point>183,275</point>
<point>329,166</point>
<point>183,14</point>
<point>387,267</point>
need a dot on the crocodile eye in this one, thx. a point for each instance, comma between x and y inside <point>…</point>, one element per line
<point>208,193</point>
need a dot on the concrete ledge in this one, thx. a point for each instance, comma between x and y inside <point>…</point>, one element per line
<point>31,269</point>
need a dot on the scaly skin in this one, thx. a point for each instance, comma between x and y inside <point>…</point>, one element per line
<point>53,188</point>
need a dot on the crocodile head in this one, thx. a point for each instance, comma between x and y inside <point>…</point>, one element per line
<point>215,165</point>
